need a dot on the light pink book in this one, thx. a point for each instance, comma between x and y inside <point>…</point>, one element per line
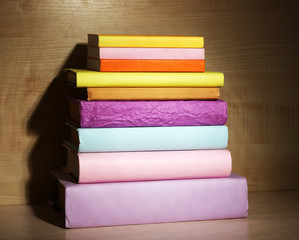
<point>146,53</point>
<point>153,165</point>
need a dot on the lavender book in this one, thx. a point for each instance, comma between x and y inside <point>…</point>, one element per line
<point>124,203</point>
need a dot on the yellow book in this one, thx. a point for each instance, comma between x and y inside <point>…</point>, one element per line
<point>98,40</point>
<point>88,78</point>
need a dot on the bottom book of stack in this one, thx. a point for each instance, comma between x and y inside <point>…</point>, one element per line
<point>142,202</point>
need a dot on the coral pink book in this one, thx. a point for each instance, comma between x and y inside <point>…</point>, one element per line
<point>154,165</point>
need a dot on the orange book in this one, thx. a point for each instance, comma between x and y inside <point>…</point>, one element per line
<point>145,65</point>
<point>145,93</point>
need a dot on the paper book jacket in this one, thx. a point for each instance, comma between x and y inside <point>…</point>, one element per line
<point>146,53</point>
<point>157,41</point>
<point>109,204</point>
<point>144,166</point>
<point>145,65</point>
<point>144,93</point>
<point>147,138</point>
<point>88,78</point>
<point>106,114</point>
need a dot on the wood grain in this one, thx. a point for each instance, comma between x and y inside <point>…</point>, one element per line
<point>255,43</point>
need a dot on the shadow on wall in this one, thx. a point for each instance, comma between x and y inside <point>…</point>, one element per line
<point>47,122</point>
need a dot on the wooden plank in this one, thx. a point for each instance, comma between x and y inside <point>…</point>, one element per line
<point>255,43</point>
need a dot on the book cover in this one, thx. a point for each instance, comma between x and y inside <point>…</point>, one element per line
<point>145,53</point>
<point>144,166</point>
<point>147,138</point>
<point>143,202</point>
<point>145,65</point>
<point>88,78</point>
<point>144,93</point>
<point>111,114</point>
<point>102,40</point>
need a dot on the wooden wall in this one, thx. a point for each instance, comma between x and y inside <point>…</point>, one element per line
<point>255,43</point>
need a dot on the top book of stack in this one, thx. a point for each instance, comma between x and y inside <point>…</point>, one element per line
<point>98,40</point>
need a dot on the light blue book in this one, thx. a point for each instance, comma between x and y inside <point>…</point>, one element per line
<point>147,138</point>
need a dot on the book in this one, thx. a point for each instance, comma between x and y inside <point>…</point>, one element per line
<point>145,53</point>
<point>102,40</point>
<point>144,166</point>
<point>145,65</point>
<point>144,202</point>
<point>145,93</point>
<point>88,78</point>
<point>146,138</point>
<point>112,114</point>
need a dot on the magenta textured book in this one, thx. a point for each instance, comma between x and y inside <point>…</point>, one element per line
<point>108,204</point>
<point>113,114</point>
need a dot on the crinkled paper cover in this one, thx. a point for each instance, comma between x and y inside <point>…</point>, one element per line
<point>98,114</point>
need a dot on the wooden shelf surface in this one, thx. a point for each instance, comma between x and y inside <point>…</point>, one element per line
<point>272,215</point>
<point>254,43</point>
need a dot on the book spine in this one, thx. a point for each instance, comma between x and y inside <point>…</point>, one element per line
<point>160,165</point>
<point>148,93</point>
<point>111,114</point>
<point>145,65</point>
<point>146,53</point>
<point>124,203</point>
<point>145,41</point>
<point>151,138</point>
<point>148,79</point>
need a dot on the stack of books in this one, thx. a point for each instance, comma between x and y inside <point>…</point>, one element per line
<point>147,136</point>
